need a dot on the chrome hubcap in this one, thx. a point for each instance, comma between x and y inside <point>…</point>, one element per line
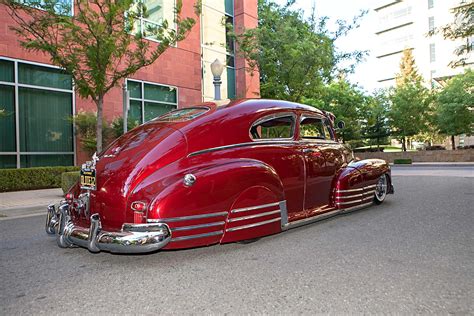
<point>381,188</point>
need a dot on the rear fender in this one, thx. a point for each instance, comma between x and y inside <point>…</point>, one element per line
<point>217,187</point>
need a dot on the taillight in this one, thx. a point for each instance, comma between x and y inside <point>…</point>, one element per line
<point>139,209</point>
<point>69,197</point>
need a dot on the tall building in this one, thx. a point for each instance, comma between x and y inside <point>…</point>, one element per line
<point>405,24</point>
<point>38,98</point>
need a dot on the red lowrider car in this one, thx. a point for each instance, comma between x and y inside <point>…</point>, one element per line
<point>215,174</point>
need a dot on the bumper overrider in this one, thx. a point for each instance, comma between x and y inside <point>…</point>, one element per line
<point>133,238</point>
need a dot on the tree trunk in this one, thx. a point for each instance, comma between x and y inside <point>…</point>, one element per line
<point>453,144</point>
<point>404,146</point>
<point>99,103</point>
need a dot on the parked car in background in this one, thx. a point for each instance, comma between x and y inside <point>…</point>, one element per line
<point>212,174</point>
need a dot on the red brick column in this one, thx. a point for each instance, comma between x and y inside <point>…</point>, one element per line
<point>247,81</point>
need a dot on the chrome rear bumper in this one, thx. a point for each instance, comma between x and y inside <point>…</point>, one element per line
<point>133,238</point>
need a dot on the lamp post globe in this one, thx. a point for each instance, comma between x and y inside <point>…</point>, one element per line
<point>217,68</point>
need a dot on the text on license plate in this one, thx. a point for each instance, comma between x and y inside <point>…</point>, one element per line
<point>88,179</point>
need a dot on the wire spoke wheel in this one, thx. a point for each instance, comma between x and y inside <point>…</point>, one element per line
<point>381,189</point>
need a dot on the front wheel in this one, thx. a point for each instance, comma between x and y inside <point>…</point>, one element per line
<point>381,189</point>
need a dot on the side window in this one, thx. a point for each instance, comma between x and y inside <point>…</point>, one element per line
<point>273,128</point>
<point>315,128</point>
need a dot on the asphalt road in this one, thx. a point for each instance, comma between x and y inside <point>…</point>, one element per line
<point>412,254</point>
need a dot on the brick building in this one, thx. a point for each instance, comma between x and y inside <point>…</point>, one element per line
<point>37,99</point>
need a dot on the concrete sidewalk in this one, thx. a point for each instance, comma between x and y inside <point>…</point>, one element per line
<point>27,203</point>
<point>435,164</point>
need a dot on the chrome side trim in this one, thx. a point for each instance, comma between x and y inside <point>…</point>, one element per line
<point>357,190</point>
<point>357,207</point>
<point>355,201</point>
<point>219,232</point>
<point>253,225</point>
<point>310,220</point>
<point>182,228</point>
<point>254,143</point>
<point>345,197</point>
<point>242,218</point>
<point>251,208</point>
<point>186,218</point>
<point>351,190</point>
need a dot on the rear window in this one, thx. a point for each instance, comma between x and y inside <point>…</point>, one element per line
<point>281,127</point>
<point>182,115</point>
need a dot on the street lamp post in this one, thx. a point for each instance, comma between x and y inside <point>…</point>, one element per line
<point>217,68</point>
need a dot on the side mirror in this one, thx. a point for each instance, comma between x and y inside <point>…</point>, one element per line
<point>341,124</point>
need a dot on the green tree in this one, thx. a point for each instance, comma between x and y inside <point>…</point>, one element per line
<point>410,101</point>
<point>376,127</point>
<point>462,28</point>
<point>455,106</point>
<point>295,57</point>
<point>99,45</point>
<point>345,101</point>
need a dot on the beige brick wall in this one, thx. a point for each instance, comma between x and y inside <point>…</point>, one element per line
<point>465,155</point>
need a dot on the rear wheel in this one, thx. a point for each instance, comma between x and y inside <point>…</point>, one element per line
<point>381,189</point>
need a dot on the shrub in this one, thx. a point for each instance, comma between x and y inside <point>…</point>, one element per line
<point>402,161</point>
<point>68,179</point>
<point>32,178</point>
<point>85,124</point>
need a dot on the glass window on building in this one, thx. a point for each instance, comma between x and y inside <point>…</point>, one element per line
<point>153,13</point>
<point>40,99</point>
<point>430,4</point>
<point>432,53</point>
<point>431,24</point>
<point>149,100</point>
<point>217,24</point>
<point>61,7</point>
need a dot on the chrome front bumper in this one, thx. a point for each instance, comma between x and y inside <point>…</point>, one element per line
<point>133,238</point>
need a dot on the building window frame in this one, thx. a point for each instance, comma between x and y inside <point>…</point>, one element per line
<point>17,85</point>
<point>146,20</point>
<point>142,100</point>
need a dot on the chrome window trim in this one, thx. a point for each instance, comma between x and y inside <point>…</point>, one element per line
<point>253,225</point>
<point>242,218</point>
<point>272,117</point>
<point>219,232</point>
<point>251,208</point>
<point>186,218</point>
<point>183,228</point>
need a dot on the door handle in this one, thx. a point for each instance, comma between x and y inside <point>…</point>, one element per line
<point>308,150</point>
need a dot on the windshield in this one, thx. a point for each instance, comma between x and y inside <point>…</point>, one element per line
<point>182,115</point>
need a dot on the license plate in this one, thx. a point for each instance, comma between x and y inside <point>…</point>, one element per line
<point>88,179</point>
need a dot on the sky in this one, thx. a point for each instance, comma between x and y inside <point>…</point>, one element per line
<point>362,38</point>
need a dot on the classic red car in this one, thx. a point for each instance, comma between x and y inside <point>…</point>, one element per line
<point>213,174</point>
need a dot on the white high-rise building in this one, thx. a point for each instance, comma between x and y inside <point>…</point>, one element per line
<point>405,24</point>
